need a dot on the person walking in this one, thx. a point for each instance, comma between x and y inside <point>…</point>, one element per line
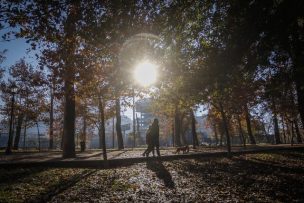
<point>149,142</point>
<point>155,135</point>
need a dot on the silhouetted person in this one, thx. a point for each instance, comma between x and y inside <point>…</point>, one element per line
<point>149,142</point>
<point>155,135</point>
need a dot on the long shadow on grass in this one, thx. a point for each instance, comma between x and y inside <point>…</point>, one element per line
<point>251,177</point>
<point>286,183</point>
<point>13,175</point>
<point>293,155</point>
<point>161,172</point>
<point>61,186</point>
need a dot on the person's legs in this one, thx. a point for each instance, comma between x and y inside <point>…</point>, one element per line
<point>148,150</point>
<point>153,150</point>
<point>157,149</point>
<point>145,152</point>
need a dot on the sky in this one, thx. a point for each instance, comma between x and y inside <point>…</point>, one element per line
<point>17,49</point>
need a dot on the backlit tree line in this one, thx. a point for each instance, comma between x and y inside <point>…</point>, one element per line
<point>242,61</point>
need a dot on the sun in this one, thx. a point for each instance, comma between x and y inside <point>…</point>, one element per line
<point>145,73</point>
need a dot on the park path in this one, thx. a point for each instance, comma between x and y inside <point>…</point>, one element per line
<point>33,156</point>
<point>118,158</point>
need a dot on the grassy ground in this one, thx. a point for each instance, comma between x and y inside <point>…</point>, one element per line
<point>263,177</point>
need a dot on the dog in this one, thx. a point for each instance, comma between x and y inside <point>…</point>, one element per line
<point>184,149</point>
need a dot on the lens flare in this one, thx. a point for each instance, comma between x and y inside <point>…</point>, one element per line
<point>145,73</point>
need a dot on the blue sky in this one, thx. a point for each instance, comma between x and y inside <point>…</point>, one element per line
<point>16,49</point>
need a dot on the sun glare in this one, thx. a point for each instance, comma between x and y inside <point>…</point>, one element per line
<point>145,73</point>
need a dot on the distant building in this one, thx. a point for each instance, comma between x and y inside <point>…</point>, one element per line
<point>144,118</point>
<point>126,127</point>
<point>202,128</point>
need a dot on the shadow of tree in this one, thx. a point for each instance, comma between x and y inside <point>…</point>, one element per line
<point>161,172</point>
<point>61,186</point>
<point>14,174</point>
<point>277,182</point>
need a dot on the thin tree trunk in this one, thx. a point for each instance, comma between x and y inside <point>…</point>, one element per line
<point>24,133</point>
<point>299,138</point>
<point>284,131</point>
<point>292,134</point>
<point>276,124</point>
<point>18,131</point>
<point>173,140</point>
<point>288,132</point>
<point>276,130</point>
<point>215,134</point>
<point>51,141</point>
<point>221,129</point>
<point>138,132</point>
<point>102,129</point>
<point>177,127</point>
<point>113,132</point>
<point>242,137</point>
<point>248,122</point>
<point>193,127</point>
<point>265,132</point>
<point>225,125</point>
<point>39,143</point>
<point>118,125</point>
<point>84,130</point>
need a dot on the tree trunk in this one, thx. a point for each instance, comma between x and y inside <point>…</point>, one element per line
<point>248,122</point>
<point>276,125</point>
<point>69,46</point>
<point>184,128</point>
<point>118,125</point>
<point>292,134</point>
<point>221,130</point>
<point>139,141</point>
<point>39,143</point>
<point>215,134</point>
<point>288,131</point>
<point>68,145</point>
<point>18,131</point>
<point>51,141</point>
<point>193,127</point>
<point>173,138</point>
<point>300,96</point>
<point>177,127</point>
<point>102,128</point>
<point>183,136</point>
<point>298,72</point>
<point>226,129</point>
<point>242,137</point>
<point>276,129</point>
<point>284,131</point>
<point>113,132</point>
<point>299,138</point>
<point>84,131</point>
<point>11,129</point>
<point>24,133</point>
